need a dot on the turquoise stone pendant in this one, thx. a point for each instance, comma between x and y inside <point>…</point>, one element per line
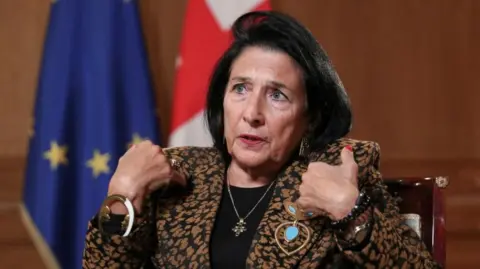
<point>291,233</point>
<point>293,230</point>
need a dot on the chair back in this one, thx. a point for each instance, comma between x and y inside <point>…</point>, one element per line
<point>422,206</point>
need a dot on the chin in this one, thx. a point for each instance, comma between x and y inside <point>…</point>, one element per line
<point>249,158</point>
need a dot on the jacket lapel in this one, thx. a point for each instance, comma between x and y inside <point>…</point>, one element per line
<point>207,198</point>
<point>270,251</point>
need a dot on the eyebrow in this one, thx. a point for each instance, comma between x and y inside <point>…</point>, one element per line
<point>270,82</point>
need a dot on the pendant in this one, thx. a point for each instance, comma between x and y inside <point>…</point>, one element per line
<point>240,227</point>
<point>293,236</point>
<point>291,232</point>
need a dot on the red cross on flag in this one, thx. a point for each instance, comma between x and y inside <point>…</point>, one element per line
<point>206,35</point>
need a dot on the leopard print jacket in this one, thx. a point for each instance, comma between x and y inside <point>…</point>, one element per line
<point>177,229</point>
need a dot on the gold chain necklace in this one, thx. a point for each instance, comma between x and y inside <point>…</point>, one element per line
<point>241,225</point>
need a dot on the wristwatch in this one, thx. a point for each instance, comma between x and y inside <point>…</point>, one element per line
<point>360,232</point>
<point>357,233</point>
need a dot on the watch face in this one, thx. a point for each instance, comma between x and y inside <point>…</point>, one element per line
<point>361,235</point>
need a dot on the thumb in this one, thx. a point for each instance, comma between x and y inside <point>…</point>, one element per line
<point>347,155</point>
<point>348,163</point>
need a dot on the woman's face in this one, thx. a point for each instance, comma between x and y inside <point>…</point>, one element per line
<point>264,106</point>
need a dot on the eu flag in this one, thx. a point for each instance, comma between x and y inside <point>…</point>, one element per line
<point>94,98</point>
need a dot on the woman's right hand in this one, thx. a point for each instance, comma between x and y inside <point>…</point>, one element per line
<point>141,170</point>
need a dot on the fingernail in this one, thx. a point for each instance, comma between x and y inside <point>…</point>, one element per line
<point>349,148</point>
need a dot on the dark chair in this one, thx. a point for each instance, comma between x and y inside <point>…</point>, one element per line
<point>422,206</point>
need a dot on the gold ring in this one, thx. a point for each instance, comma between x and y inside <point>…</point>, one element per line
<point>175,164</point>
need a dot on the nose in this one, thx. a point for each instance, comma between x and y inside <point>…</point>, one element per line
<point>253,113</point>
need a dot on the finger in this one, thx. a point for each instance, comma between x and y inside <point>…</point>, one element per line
<point>348,163</point>
<point>158,174</point>
<point>304,187</point>
<point>165,174</point>
<point>155,150</point>
<point>144,144</point>
<point>157,184</point>
<point>303,202</point>
<point>305,208</point>
<point>317,165</point>
<point>131,148</point>
<point>347,155</point>
<point>163,165</point>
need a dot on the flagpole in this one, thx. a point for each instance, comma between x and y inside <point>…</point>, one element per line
<point>42,247</point>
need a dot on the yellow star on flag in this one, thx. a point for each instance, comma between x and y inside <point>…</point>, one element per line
<point>99,163</point>
<point>56,155</point>
<point>136,138</point>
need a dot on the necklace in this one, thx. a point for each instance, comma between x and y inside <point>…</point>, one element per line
<point>241,225</point>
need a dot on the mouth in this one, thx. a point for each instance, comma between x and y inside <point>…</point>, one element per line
<point>252,138</point>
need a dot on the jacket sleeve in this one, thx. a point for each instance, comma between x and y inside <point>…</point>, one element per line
<point>392,243</point>
<point>135,250</point>
<point>115,251</point>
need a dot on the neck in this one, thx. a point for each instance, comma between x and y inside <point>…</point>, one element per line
<point>246,177</point>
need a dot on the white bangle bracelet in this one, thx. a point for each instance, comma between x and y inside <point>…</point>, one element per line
<point>105,212</point>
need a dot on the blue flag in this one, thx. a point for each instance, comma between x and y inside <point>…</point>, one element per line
<point>94,98</point>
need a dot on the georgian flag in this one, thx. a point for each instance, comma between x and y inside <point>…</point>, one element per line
<point>206,35</point>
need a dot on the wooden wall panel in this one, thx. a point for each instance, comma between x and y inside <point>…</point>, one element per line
<point>11,175</point>
<point>412,62</point>
<point>162,22</point>
<point>16,247</point>
<point>22,28</point>
<point>410,68</point>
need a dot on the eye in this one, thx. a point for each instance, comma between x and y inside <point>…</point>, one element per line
<point>278,95</point>
<point>239,88</point>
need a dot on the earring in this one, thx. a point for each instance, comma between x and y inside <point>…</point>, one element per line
<point>303,147</point>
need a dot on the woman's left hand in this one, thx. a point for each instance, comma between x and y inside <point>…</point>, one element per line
<point>330,190</point>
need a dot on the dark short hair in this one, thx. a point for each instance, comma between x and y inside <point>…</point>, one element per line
<point>328,105</point>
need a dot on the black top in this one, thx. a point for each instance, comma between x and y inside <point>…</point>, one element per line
<point>226,249</point>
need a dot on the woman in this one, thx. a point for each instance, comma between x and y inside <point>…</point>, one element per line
<point>280,188</point>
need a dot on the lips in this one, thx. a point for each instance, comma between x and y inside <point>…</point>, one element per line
<point>252,141</point>
<point>252,138</point>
